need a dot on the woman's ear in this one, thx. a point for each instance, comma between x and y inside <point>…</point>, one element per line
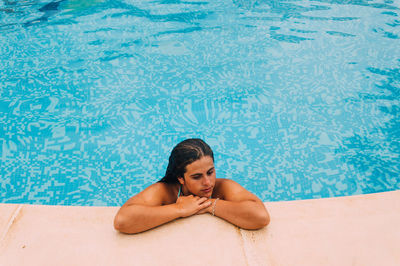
<point>181,180</point>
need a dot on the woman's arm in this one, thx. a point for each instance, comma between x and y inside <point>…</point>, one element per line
<point>240,207</point>
<point>137,218</point>
<point>146,210</point>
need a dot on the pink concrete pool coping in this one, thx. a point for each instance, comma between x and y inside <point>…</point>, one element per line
<point>355,230</point>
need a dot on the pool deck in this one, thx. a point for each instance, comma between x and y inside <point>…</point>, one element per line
<point>356,230</point>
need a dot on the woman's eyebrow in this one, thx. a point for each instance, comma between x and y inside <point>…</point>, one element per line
<point>199,174</point>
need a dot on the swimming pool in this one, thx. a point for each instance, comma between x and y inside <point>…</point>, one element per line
<point>298,99</point>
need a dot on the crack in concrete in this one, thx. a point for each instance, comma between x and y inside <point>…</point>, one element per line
<point>242,243</point>
<point>10,223</point>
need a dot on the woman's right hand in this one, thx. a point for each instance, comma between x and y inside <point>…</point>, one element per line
<point>189,205</point>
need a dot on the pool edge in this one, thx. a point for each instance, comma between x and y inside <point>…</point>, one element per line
<point>353,230</point>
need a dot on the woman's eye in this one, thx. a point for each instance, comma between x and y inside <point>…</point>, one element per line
<point>210,172</point>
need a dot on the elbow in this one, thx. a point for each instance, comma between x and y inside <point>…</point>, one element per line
<point>121,224</point>
<point>118,223</point>
<point>258,219</point>
<point>263,220</point>
<point>124,225</point>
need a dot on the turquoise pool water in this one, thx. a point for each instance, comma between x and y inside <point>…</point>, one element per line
<point>298,99</point>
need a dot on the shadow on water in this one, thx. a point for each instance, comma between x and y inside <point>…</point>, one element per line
<point>48,10</point>
<point>378,161</point>
<point>286,9</point>
<point>134,11</point>
<point>299,12</point>
<point>19,11</point>
<point>387,5</point>
<point>127,9</point>
<point>279,11</point>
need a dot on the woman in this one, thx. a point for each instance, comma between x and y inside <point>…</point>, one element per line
<point>190,187</point>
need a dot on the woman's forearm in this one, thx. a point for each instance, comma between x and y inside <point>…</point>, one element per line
<point>245,214</point>
<point>138,218</point>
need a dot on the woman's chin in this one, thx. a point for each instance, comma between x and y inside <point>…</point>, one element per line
<point>207,194</point>
<point>202,193</point>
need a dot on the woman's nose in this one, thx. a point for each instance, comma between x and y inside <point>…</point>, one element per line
<point>206,181</point>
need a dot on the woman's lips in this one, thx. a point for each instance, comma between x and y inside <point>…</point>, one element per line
<point>207,190</point>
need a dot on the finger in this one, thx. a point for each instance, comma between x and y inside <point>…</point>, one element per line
<point>202,211</point>
<point>203,208</point>
<point>201,200</point>
<point>205,204</point>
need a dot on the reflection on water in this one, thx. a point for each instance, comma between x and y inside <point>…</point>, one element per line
<point>299,99</point>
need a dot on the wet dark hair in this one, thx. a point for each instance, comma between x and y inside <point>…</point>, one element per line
<point>184,153</point>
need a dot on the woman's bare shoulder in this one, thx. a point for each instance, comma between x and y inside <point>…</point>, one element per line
<point>221,186</point>
<point>231,190</point>
<point>223,182</point>
<point>156,194</point>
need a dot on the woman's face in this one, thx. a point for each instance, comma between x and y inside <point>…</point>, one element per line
<point>199,178</point>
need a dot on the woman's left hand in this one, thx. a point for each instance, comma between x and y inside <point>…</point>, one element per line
<point>208,209</point>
